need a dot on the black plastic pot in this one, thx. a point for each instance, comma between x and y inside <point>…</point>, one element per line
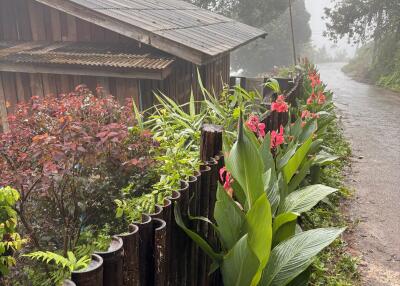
<point>112,263</point>
<point>92,275</point>
<point>68,283</point>
<point>131,256</point>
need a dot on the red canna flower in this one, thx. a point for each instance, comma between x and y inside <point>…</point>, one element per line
<point>280,105</point>
<point>261,130</point>
<point>277,139</point>
<point>227,180</point>
<point>305,114</point>
<point>321,98</point>
<point>314,78</point>
<point>253,123</point>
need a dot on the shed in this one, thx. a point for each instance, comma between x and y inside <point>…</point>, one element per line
<point>129,47</point>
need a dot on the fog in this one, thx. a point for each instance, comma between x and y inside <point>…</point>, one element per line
<point>317,24</point>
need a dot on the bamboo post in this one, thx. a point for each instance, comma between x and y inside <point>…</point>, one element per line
<point>160,246</point>
<point>211,141</point>
<point>113,263</point>
<point>145,249</point>
<point>205,170</point>
<point>131,256</point>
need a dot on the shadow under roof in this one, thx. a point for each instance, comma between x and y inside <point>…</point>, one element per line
<point>120,60</point>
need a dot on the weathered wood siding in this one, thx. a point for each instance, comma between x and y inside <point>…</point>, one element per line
<point>27,20</point>
<point>184,79</point>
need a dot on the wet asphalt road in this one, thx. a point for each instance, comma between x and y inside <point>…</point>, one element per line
<point>371,118</point>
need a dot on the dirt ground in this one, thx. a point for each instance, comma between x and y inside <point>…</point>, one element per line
<point>371,118</point>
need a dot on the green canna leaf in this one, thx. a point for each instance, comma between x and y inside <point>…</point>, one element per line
<point>305,199</point>
<point>293,256</point>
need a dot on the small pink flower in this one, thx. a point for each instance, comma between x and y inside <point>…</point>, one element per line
<point>277,139</point>
<point>280,105</point>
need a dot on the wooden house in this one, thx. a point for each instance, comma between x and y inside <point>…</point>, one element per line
<point>129,47</point>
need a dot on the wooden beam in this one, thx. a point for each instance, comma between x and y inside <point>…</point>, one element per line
<point>68,70</point>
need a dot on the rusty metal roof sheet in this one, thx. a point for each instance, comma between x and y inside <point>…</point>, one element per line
<point>84,54</point>
<point>169,25</point>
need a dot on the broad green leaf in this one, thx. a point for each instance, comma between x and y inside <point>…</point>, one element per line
<point>305,199</point>
<point>293,256</point>
<point>240,265</point>
<point>259,227</point>
<point>246,166</point>
<point>272,189</point>
<point>230,219</point>
<point>290,169</point>
<point>308,130</point>
<point>315,146</point>
<point>196,238</point>
<point>283,160</point>
<point>324,158</point>
<point>300,176</point>
<point>192,106</point>
<point>284,227</point>
<point>303,279</point>
<point>265,153</point>
<point>138,116</point>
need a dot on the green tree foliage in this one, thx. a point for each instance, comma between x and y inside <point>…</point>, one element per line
<point>253,12</point>
<point>276,49</point>
<point>271,16</point>
<point>364,20</point>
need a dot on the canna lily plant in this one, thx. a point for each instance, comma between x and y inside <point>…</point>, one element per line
<point>256,214</point>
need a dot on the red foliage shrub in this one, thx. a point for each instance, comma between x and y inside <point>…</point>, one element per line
<point>69,157</point>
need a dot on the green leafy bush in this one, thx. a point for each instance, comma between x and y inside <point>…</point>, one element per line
<point>10,240</point>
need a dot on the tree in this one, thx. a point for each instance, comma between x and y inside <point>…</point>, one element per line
<point>276,49</point>
<point>253,12</point>
<point>363,20</point>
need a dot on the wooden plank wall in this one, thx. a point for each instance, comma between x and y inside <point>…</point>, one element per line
<point>27,20</point>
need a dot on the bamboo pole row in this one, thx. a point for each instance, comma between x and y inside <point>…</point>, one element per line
<point>156,251</point>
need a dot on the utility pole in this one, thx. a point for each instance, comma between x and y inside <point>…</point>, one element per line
<point>291,27</point>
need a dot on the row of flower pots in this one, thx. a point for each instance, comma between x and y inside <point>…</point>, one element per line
<point>156,251</point>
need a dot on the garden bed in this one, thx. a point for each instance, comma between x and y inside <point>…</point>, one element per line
<point>167,196</point>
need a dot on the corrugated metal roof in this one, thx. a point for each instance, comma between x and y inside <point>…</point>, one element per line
<point>175,21</point>
<point>84,54</point>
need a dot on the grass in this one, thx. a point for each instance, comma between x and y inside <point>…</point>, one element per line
<point>334,266</point>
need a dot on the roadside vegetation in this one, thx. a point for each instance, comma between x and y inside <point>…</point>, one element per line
<point>63,154</point>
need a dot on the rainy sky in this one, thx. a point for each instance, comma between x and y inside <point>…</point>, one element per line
<point>316,9</point>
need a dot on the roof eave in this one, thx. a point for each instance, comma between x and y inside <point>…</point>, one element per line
<point>131,73</point>
<point>138,34</point>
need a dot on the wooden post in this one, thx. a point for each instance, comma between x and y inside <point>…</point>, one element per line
<point>145,249</point>
<point>211,141</point>
<point>160,246</point>
<point>131,256</point>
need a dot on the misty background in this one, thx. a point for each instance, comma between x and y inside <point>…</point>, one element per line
<point>276,49</point>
